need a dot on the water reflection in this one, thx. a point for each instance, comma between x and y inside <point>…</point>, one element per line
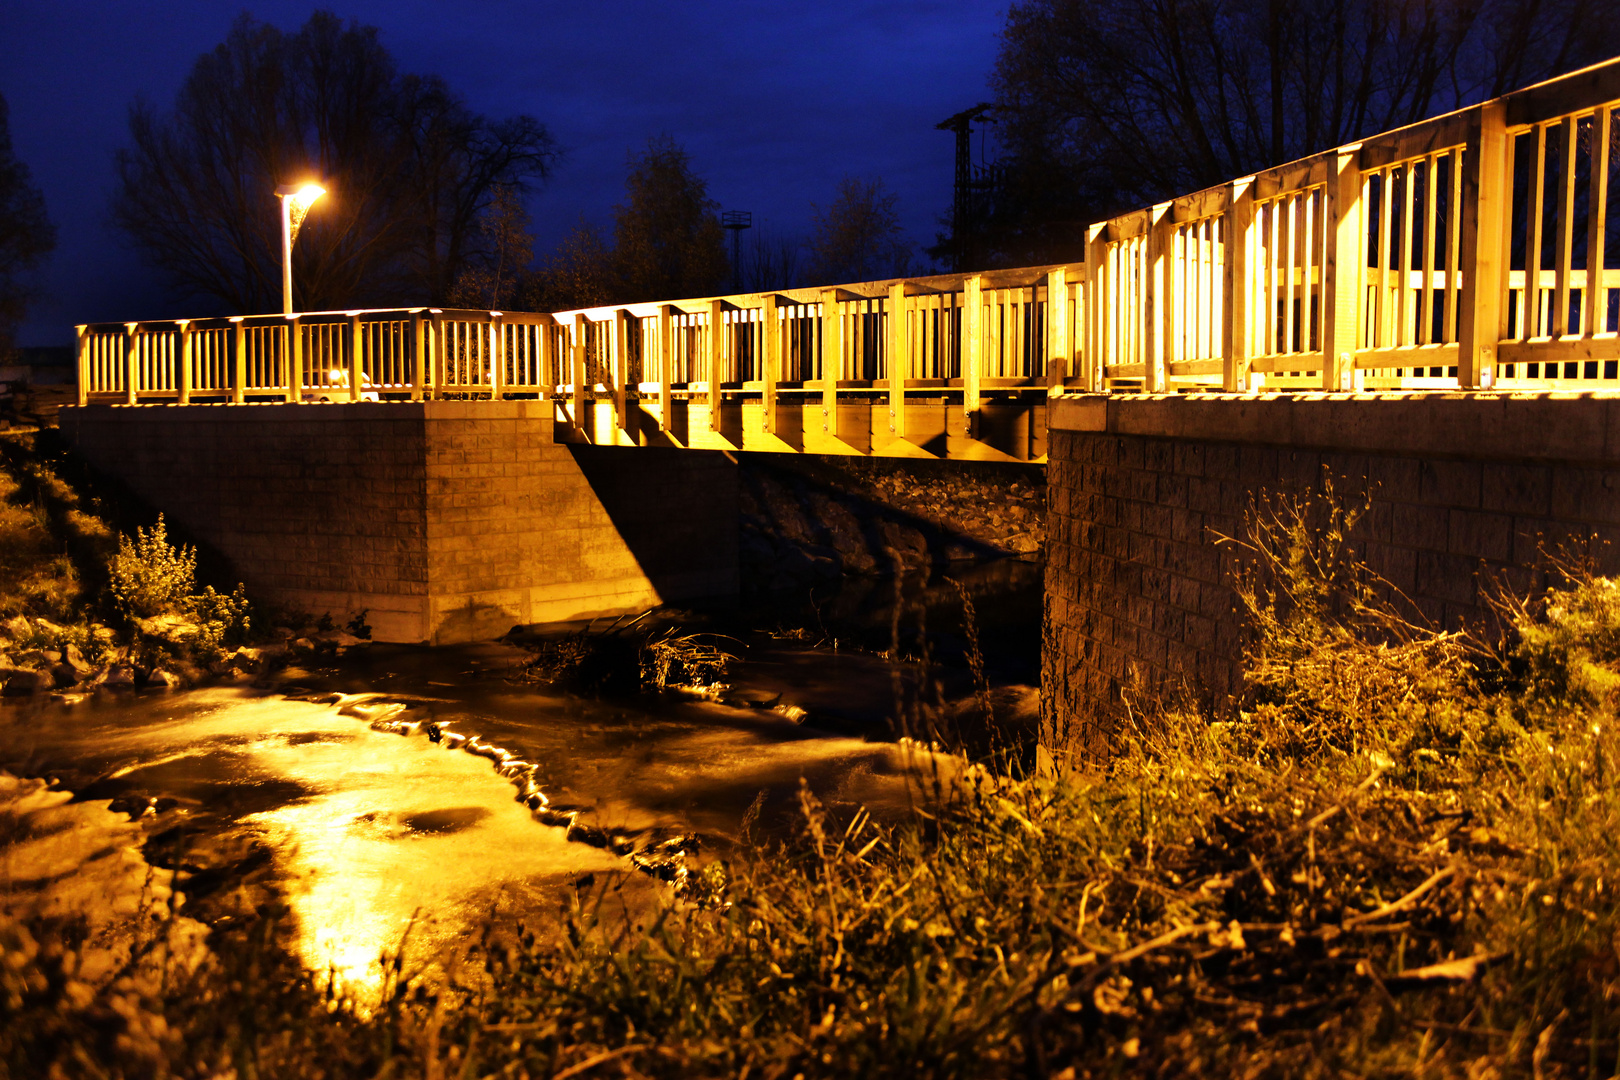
<point>369,833</point>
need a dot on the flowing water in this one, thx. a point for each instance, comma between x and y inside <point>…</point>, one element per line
<point>425,788</point>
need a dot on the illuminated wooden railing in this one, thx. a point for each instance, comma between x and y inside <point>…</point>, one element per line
<point>1470,250</point>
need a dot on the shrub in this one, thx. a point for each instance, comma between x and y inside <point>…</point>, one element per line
<point>222,618</point>
<point>149,576</point>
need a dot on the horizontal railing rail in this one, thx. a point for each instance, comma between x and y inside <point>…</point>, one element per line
<point>1471,250</point>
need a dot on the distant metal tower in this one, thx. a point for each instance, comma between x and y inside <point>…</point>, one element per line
<point>962,208</point>
<point>736,221</point>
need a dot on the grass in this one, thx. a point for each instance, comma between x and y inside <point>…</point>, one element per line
<point>1399,857</point>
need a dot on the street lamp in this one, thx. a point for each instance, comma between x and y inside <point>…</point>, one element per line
<point>295,203</point>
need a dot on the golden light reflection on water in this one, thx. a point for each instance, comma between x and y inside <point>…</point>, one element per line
<point>403,835</point>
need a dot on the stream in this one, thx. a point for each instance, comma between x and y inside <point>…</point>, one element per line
<point>423,789</point>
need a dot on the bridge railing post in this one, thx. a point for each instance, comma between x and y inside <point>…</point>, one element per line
<point>1344,259</point>
<point>898,357</point>
<point>1059,350</point>
<point>577,362</point>
<point>183,375</point>
<point>1485,203</point>
<point>295,358</point>
<point>619,367</point>
<point>1236,319</point>
<point>716,356</point>
<point>497,356</point>
<point>82,334</point>
<point>1158,300</point>
<point>972,352</point>
<point>420,365</point>
<point>832,360</point>
<point>238,359</point>
<point>770,366</point>
<point>666,366</point>
<point>132,362</point>
<point>357,366</point>
<point>1098,288</point>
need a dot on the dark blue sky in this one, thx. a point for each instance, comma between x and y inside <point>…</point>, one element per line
<point>774,102</point>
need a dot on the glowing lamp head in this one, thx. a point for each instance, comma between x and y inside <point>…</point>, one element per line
<point>296,199</point>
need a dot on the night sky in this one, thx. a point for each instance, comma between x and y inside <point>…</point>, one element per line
<point>774,103</point>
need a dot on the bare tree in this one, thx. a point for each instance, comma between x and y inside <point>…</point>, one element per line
<point>857,237</point>
<point>26,237</point>
<point>493,275</point>
<point>408,167</point>
<point>578,274</point>
<point>1107,105</point>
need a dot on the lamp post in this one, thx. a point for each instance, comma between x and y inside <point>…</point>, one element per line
<point>295,203</point>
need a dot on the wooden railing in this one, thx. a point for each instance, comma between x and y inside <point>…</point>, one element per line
<point>1469,250</point>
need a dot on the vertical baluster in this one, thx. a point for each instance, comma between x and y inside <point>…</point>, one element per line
<point>1532,247</point>
<point>1405,315</point>
<point>1431,194</point>
<point>972,351</point>
<point>1564,241</point>
<point>1594,298</point>
<point>664,348</point>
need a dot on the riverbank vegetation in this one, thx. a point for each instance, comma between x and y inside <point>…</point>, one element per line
<point>1395,857</point>
<point>84,605</point>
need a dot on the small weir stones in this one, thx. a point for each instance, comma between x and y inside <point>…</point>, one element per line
<point>661,857</point>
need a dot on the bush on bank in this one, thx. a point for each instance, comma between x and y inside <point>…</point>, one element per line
<point>1398,858</point>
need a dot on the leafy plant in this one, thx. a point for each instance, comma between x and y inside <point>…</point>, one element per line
<point>149,576</point>
<point>222,618</point>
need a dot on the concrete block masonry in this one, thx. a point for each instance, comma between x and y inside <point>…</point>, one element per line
<point>1463,487</point>
<point>444,521</point>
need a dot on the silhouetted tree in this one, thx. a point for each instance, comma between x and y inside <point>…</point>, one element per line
<point>1106,105</point>
<point>667,239</point>
<point>26,237</point>
<point>578,274</point>
<point>494,274</point>
<point>408,167</point>
<point>857,237</point>
<point>772,260</point>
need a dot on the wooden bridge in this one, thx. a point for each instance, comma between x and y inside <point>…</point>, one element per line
<point>1468,251</point>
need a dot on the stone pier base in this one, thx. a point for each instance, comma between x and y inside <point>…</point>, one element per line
<point>444,521</point>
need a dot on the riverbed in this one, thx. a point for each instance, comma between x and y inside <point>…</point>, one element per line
<point>415,792</point>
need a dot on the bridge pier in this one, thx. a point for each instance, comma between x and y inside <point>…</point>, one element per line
<point>1463,488</point>
<point>445,521</point>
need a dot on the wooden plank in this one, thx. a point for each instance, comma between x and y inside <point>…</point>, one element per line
<point>1304,361</point>
<point>898,357</point>
<point>1483,255</point>
<point>1572,93</point>
<point>1564,241</point>
<point>1568,350</point>
<point>1344,231</point>
<point>1594,299</point>
<point>1421,356</point>
<point>1235,325</point>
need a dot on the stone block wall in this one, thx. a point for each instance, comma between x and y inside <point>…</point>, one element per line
<point>445,521</point>
<point>1463,488</point>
